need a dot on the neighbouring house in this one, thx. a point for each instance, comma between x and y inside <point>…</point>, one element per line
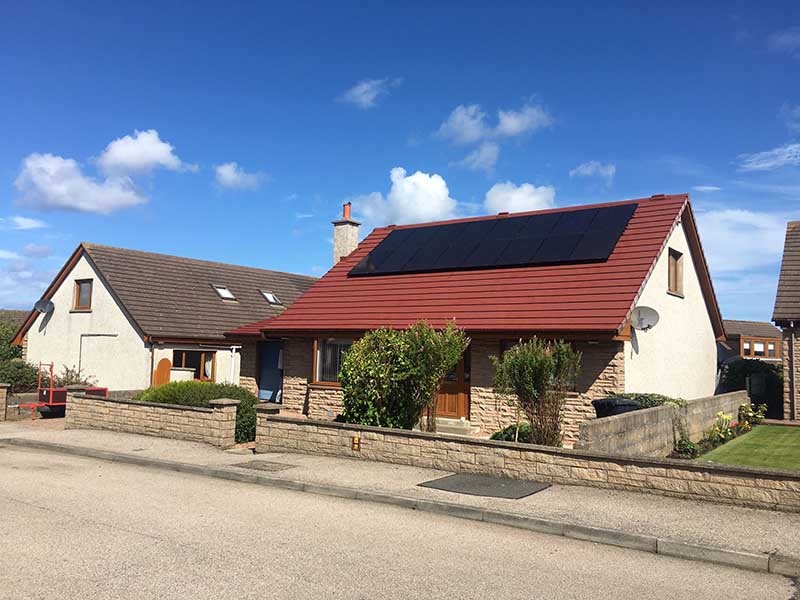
<point>573,273</point>
<point>750,339</point>
<point>786,315</point>
<point>129,319</point>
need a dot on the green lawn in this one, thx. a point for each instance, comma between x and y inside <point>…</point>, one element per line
<point>772,446</point>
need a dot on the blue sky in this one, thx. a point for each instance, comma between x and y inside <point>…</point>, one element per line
<point>234,131</point>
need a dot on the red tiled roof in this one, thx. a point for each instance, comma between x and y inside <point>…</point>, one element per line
<point>589,297</point>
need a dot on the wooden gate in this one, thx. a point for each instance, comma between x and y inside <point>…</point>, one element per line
<point>161,375</point>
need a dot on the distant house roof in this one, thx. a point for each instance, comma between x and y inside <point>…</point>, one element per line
<point>593,297</point>
<point>787,300</point>
<point>170,297</point>
<point>757,329</point>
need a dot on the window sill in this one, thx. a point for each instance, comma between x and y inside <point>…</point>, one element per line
<point>676,294</point>
<point>81,310</point>
<point>324,385</point>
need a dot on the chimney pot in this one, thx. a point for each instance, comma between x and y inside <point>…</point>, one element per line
<point>346,210</point>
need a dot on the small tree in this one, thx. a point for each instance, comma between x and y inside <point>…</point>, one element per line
<point>537,375</point>
<point>7,351</point>
<point>389,377</point>
<point>432,355</point>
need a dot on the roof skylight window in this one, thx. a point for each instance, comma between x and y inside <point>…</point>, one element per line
<point>223,292</point>
<point>270,297</point>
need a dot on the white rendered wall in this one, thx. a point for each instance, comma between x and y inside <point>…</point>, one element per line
<point>678,357</point>
<point>121,362</point>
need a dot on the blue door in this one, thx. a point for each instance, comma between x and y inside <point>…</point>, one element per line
<point>270,371</point>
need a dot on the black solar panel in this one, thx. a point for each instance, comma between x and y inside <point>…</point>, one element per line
<point>551,238</point>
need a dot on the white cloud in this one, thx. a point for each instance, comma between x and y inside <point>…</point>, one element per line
<point>48,182</point>
<point>787,40</point>
<point>465,125</point>
<point>231,175</point>
<point>529,118</point>
<point>594,168</point>
<point>140,153</point>
<point>483,158</point>
<point>736,240</point>
<point>8,255</point>
<point>25,223</point>
<point>791,116</point>
<point>412,199</point>
<point>507,197</point>
<point>787,155</point>
<point>706,188</point>
<point>366,92</point>
<point>468,124</point>
<point>37,251</point>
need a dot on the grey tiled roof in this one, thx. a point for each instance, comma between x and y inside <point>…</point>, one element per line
<point>758,329</point>
<point>787,301</point>
<point>173,297</point>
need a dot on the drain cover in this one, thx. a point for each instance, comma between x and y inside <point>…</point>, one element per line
<point>484,485</point>
<point>263,465</point>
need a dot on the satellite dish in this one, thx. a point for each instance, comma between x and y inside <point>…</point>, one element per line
<point>44,306</point>
<point>644,318</point>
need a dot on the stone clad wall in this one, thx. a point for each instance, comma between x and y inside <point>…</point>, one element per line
<point>654,431</point>
<point>602,374</point>
<point>787,375</point>
<point>761,488</point>
<point>3,400</point>
<point>248,367</point>
<point>215,425</point>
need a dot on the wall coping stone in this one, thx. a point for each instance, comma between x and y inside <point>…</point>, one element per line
<point>152,404</point>
<point>664,463</point>
<point>5,385</point>
<point>268,408</point>
<point>224,402</point>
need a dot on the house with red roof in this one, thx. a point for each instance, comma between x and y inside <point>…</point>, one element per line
<point>576,273</point>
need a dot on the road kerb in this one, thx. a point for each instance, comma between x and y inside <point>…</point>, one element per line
<point>771,563</point>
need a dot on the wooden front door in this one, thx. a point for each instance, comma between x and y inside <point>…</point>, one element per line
<point>453,399</point>
<point>161,375</point>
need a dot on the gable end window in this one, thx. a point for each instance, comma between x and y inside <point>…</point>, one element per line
<point>675,284</point>
<point>83,295</point>
<point>760,348</point>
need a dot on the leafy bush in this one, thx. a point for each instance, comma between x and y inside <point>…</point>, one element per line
<point>735,374</point>
<point>7,351</point>
<point>685,448</point>
<point>198,393</point>
<point>389,377</point>
<point>509,434</point>
<point>650,400</point>
<point>537,375</point>
<point>71,376</point>
<point>21,376</point>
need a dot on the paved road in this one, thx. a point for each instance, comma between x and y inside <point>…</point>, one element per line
<point>73,527</point>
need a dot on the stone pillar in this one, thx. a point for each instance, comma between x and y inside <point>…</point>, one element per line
<point>345,235</point>
<point>263,412</point>
<point>3,400</point>
<point>225,421</point>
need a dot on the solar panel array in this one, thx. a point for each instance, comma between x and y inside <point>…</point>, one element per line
<point>587,235</point>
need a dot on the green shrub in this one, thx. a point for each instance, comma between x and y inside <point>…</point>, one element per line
<point>650,400</point>
<point>685,448</point>
<point>509,434</point>
<point>389,377</point>
<point>70,376</point>
<point>735,374</point>
<point>198,393</point>
<point>21,376</point>
<point>536,375</point>
<point>7,351</point>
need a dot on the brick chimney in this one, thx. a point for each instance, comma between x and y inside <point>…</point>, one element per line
<point>345,234</point>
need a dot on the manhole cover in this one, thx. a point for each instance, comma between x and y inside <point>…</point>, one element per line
<point>485,485</point>
<point>263,465</point>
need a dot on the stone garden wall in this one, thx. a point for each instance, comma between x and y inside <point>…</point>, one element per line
<point>215,425</point>
<point>744,486</point>
<point>654,431</point>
